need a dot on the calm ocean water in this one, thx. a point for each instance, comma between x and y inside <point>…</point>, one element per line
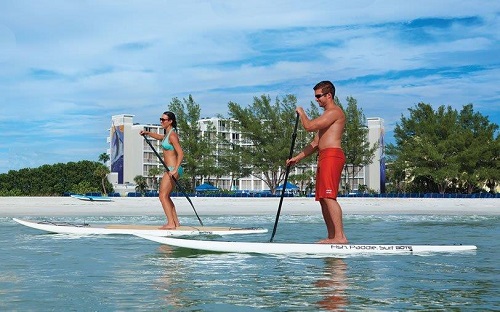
<point>53,272</point>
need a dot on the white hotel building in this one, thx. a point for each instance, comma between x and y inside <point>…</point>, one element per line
<point>130,155</point>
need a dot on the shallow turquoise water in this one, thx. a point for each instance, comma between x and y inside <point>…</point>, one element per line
<point>53,272</point>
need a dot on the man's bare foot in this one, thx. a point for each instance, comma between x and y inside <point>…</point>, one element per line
<point>167,227</point>
<point>333,241</point>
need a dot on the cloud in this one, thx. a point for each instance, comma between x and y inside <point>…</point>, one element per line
<point>66,71</point>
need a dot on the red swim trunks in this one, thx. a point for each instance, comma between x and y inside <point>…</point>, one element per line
<point>330,164</point>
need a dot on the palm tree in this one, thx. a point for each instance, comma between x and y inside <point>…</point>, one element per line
<point>141,184</point>
<point>104,157</point>
<point>102,172</point>
<point>155,172</point>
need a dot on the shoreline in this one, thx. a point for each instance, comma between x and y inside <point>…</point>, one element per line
<point>137,206</point>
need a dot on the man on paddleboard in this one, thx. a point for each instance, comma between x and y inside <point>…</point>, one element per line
<point>327,141</point>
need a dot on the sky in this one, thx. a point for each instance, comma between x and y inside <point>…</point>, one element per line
<point>67,66</point>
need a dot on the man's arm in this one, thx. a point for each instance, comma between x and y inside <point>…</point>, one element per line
<point>308,150</point>
<point>311,125</point>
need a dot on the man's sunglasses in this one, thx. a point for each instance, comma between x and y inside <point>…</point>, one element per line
<point>320,95</point>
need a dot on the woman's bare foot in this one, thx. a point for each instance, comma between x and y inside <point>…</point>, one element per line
<point>167,227</point>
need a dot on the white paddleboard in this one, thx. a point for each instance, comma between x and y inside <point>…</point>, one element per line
<point>305,249</point>
<point>92,198</point>
<point>151,230</point>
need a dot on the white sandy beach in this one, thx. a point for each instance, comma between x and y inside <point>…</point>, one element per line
<point>134,206</point>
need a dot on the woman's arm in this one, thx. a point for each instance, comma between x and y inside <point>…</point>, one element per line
<point>155,136</point>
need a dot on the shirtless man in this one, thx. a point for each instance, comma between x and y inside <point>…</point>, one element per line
<point>329,128</point>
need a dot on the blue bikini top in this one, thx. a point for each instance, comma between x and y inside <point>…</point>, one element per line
<point>165,144</point>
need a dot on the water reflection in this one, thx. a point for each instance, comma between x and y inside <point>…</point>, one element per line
<point>334,285</point>
<point>187,279</point>
<point>169,280</point>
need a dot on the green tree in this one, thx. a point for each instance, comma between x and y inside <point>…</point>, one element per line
<point>233,162</point>
<point>50,180</point>
<point>140,184</point>
<point>424,147</point>
<point>355,144</point>
<point>154,172</point>
<point>102,172</point>
<point>396,178</point>
<point>477,151</point>
<point>208,167</point>
<point>199,159</point>
<point>84,187</point>
<point>445,149</point>
<point>303,179</point>
<point>104,157</point>
<point>264,124</point>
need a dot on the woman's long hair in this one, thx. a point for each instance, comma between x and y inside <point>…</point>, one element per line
<point>171,116</point>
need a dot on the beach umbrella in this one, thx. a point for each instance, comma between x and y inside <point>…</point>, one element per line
<point>205,187</point>
<point>289,186</point>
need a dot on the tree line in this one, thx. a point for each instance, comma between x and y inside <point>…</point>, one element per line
<point>54,180</point>
<point>442,150</point>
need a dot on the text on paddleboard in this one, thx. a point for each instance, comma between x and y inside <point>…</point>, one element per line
<point>371,247</point>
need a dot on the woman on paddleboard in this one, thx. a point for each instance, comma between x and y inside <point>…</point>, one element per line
<point>172,156</point>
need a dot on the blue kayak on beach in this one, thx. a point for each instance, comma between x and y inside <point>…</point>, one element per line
<point>92,198</point>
